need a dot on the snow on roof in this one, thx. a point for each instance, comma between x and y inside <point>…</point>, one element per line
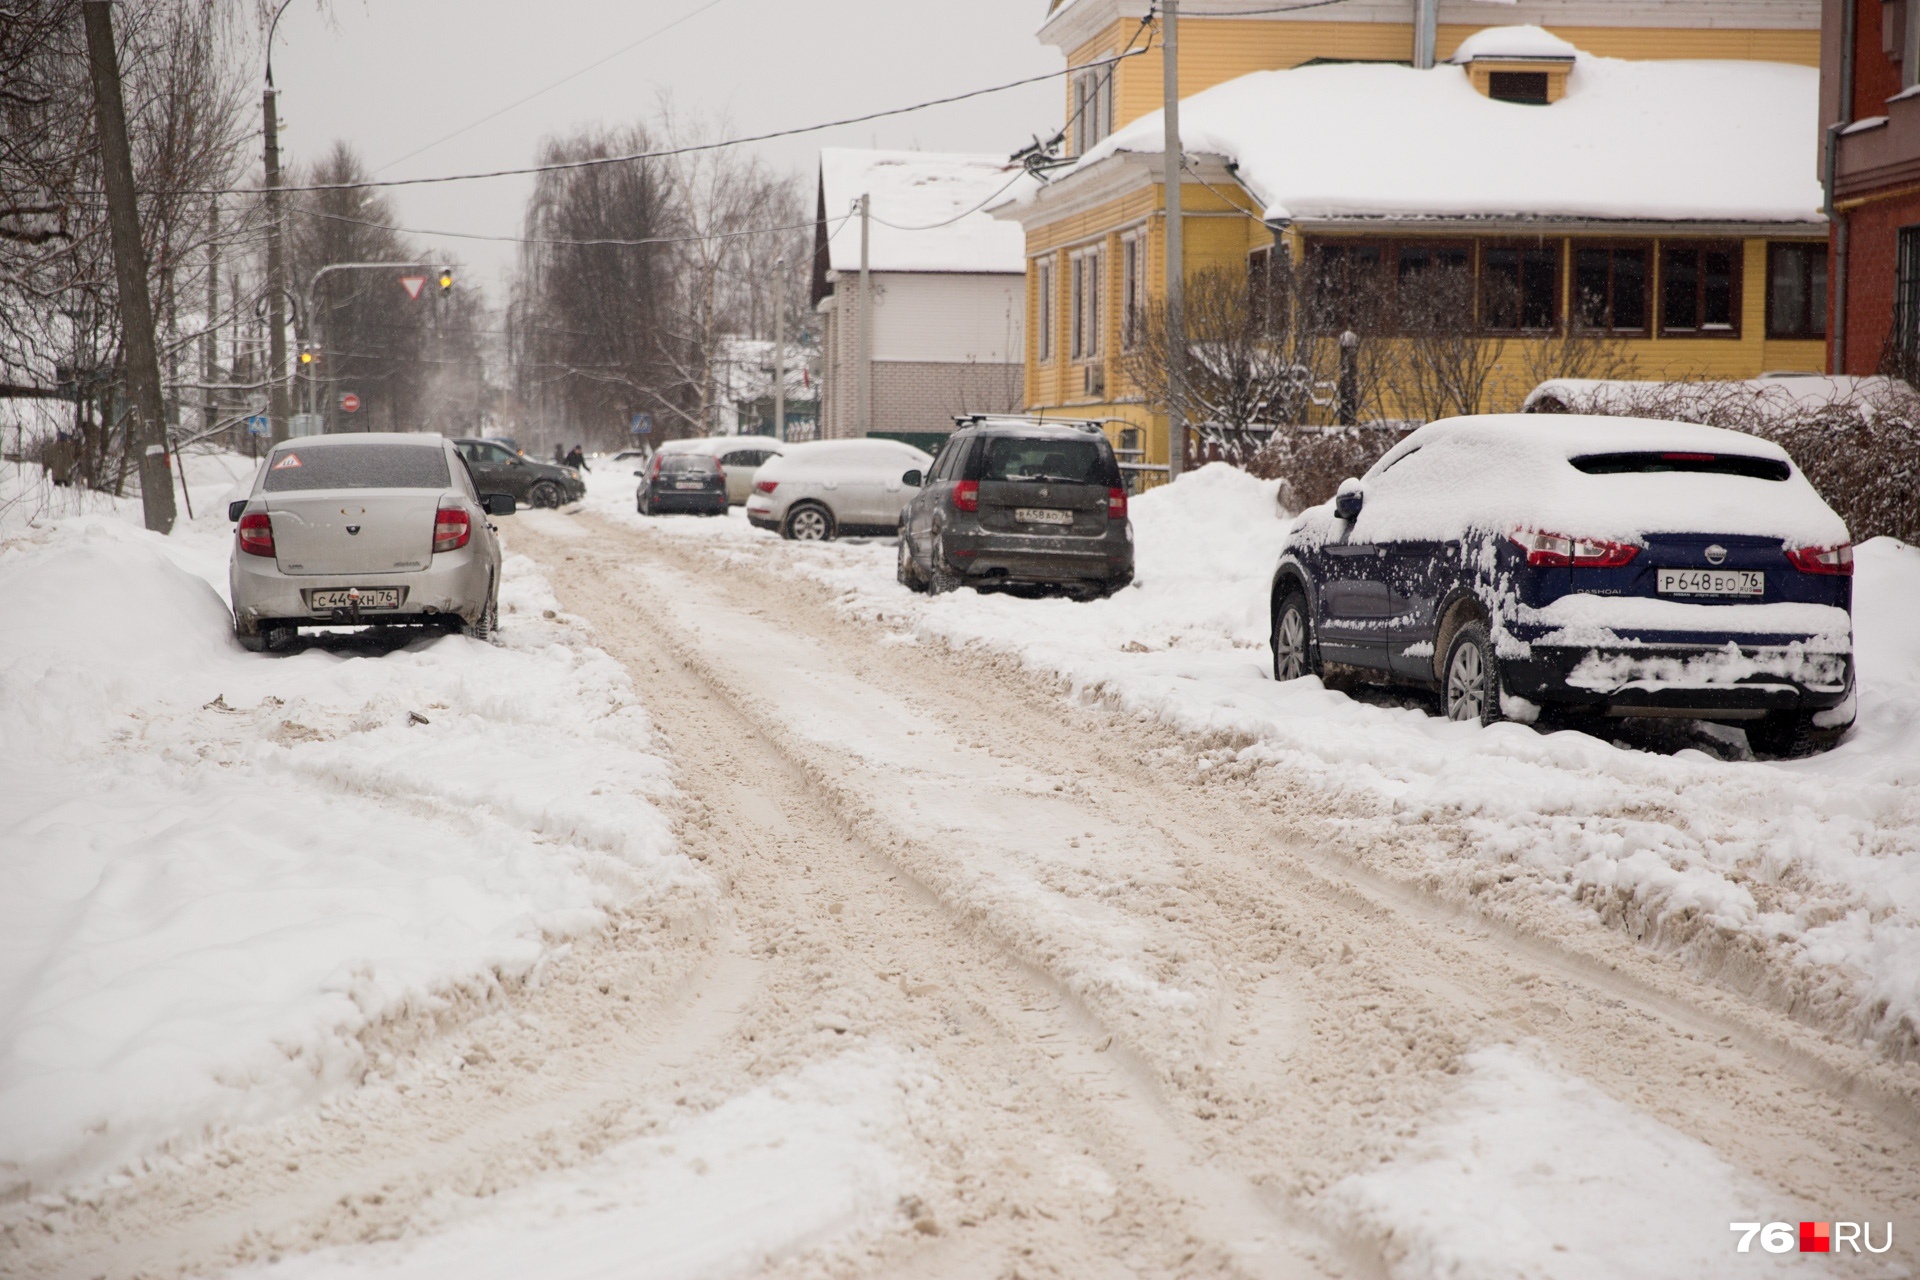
<point>1664,141</point>
<point>1775,395</point>
<point>1513,42</point>
<point>913,193</point>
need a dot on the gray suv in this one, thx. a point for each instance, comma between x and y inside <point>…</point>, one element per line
<point>1016,502</point>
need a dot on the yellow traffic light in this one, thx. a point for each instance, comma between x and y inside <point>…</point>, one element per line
<point>306,357</point>
<point>446,279</point>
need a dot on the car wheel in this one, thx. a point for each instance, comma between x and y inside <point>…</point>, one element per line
<point>1790,735</point>
<point>1472,684</point>
<point>809,523</point>
<point>545,494</point>
<point>907,571</point>
<point>489,621</point>
<point>251,641</point>
<point>943,579</point>
<point>1292,639</point>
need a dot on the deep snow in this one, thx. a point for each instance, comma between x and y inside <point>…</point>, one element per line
<point>1813,865</point>
<point>224,867</point>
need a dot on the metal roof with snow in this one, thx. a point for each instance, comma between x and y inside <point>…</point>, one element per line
<point>928,210</point>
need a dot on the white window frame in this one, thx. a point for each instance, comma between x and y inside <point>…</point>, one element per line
<point>1043,307</point>
<point>1133,261</point>
<point>1092,108</point>
<point>1086,341</point>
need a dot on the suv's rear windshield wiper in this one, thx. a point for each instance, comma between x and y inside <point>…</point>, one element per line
<point>1047,479</point>
<point>1719,464</point>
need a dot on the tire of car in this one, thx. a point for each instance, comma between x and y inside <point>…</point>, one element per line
<point>488,623</point>
<point>943,579</point>
<point>1470,685</point>
<point>251,641</point>
<point>545,493</point>
<point>907,571</point>
<point>1791,735</point>
<point>808,522</point>
<point>1292,638</point>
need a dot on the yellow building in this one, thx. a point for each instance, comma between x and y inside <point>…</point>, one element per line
<point>1647,171</point>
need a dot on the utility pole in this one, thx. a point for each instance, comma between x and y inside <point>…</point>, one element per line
<point>209,348</point>
<point>780,348</point>
<point>147,428</point>
<point>276,269</point>
<point>1176,258</point>
<point>863,374</point>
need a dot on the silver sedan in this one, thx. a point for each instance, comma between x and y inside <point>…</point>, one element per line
<point>364,530</point>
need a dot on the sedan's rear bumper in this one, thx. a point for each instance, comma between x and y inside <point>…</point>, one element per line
<point>453,584</point>
<point>1728,679</point>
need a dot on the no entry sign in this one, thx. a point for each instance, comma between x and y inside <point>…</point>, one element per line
<point>349,403</point>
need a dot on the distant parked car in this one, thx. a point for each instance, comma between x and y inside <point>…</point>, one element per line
<point>831,488</point>
<point>498,469</point>
<point>687,481</point>
<point>740,455</point>
<point>1585,565</point>
<point>370,529</point>
<point>1017,502</point>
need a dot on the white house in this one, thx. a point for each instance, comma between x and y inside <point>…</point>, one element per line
<point>942,329</point>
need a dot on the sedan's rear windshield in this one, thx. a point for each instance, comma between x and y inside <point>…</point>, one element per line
<point>1718,464</point>
<point>686,462</point>
<point>372,465</point>
<point>1059,461</point>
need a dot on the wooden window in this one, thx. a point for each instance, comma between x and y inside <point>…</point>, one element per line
<point>1344,277</point>
<point>1610,288</point>
<point>1529,87</point>
<point>1092,108</point>
<point>1520,287</point>
<point>1906,298</point>
<point>1797,290</point>
<point>1133,297</point>
<point>1700,290</point>
<point>1083,315</point>
<point>1043,306</point>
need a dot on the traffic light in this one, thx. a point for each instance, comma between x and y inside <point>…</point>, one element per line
<point>306,356</point>
<point>446,279</point>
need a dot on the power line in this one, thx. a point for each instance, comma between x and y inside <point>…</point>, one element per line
<point>658,31</point>
<point>475,235</point>
<point>597,161</point>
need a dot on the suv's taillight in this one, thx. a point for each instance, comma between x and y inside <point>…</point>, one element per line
<point>1836,560</point>
<point>966,495</point>
<point>256,533</point>
<point>1550,550</point>
<point>1116,504</point>
<point>766,486</point>
<point>451,529</point>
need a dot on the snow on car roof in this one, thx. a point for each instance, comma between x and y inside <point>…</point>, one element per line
<point>861,450</point>
<point>1371,140</point>
<point>1514,471</point>
<point>720,444</point>
<point>926,210</point>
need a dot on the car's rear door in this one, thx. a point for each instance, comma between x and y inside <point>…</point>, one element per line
<point>1045,487</point>
<point>362,527</point>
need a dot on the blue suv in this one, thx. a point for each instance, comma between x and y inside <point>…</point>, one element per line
<point>1588,566</point>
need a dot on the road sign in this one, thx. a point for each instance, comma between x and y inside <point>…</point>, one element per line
<point>257,425</point>
<point>642,424</point>
<point>413,285</point>
<point>349,403</point>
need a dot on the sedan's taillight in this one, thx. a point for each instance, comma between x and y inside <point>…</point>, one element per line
<point>1833,560</point>
<point>966,495</point>
<point>1116,504</point>
<point>451,529</point>
<point>1554,550</point>
<point>719,467</point>
<point>766,486</point>
<point>256,533</point>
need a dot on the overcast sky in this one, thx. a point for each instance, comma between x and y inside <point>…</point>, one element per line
<point>392,76</point>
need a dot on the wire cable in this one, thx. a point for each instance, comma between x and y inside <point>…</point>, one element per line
<point>475,235</point>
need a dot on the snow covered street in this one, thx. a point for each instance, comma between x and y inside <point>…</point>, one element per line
<point>740,913</point>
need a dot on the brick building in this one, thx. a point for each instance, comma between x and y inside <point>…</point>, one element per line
<point>943,329</point>
<point>1870,113</point>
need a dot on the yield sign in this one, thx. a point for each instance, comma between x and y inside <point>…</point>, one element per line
<point>413,285</point>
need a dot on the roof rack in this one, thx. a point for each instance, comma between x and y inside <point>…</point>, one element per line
<point>1032,419</point>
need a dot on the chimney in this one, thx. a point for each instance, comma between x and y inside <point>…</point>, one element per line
<point>1425,32</point>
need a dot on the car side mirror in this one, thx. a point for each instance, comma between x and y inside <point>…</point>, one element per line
<point>498,504</point>
<point>912,480</point>
<point>1347,503</point>
<point>236,509</point>
<point>639,473</point>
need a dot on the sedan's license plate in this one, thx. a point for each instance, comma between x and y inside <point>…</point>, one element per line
<point>1042,515</point>
<point>1712,582</point>
<point>687,484</point>
<point>370,598</point>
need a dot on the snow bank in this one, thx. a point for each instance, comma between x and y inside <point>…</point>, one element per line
<point>807,1163</point>
<point>223,868</point>
<point>1802,877</point>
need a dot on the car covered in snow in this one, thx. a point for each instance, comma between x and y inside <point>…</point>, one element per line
<point>1588,566</point>
<point>375,529</point>
<point>828,488</point>
<point>1017,502</point>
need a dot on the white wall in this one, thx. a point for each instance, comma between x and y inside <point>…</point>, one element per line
<point>929,316</point>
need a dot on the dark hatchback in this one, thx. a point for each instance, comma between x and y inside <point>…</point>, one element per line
<point>1017,503</point>
<point>497,468</point>
<point>689,483</point>
<point>1584,566</point>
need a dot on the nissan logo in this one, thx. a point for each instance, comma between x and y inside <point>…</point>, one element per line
<point>1716,554</point>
